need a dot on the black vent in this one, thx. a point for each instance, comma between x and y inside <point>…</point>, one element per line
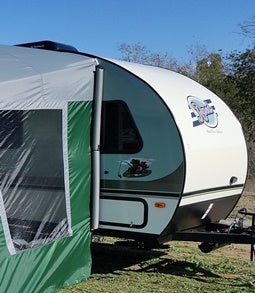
<point>49,45</point>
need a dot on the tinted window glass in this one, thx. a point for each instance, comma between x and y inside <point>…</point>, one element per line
<point>10,129</point>
<point>119,133</point>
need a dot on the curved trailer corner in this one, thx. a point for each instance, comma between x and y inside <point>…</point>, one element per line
<point>211,138</point>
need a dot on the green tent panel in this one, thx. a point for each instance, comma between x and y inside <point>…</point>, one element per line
<point>45,169</point>
<point>65,261</point>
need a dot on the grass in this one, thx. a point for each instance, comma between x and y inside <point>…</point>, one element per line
<point>181,268</point>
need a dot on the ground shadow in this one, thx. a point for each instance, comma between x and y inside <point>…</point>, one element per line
<point>109,258</point>
<point>178,268</point>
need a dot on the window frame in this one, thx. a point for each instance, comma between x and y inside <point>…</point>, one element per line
<point>63,225</point>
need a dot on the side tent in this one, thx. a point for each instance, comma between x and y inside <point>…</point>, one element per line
<point>45,169</point>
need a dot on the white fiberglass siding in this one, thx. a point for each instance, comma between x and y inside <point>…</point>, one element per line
<point>214,152</point>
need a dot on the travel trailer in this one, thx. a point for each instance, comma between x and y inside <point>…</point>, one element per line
<point>92,144</point>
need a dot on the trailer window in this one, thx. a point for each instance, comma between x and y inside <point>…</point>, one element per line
<point>119,134</point>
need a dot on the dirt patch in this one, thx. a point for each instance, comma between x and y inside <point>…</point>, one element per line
<point>230,276</point>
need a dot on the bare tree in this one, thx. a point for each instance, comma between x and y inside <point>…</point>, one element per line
<point>248,28</point>
<point>140,54</point>
<point>197,52</point>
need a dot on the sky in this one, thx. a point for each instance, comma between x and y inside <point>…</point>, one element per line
<point>99,27</point>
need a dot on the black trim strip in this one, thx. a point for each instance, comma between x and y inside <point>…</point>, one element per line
<point>40,187</point>
<point>213,189</point>
<point>140,236</point>
<point>144,192</point>
<point>35,182</point>
<point>145,216</point>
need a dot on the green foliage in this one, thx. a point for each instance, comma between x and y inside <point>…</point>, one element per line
<point>210,73</point>
<point>242,79</point>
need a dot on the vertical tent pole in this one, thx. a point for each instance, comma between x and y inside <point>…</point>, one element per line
<point>96,148</point>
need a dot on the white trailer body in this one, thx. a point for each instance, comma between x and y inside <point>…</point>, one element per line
<point>190,143</point>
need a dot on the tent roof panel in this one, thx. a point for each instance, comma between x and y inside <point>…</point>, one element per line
<point>35,77</point>
<point>41,61</point>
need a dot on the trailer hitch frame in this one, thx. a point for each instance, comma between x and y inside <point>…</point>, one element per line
<point>216,235</point>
